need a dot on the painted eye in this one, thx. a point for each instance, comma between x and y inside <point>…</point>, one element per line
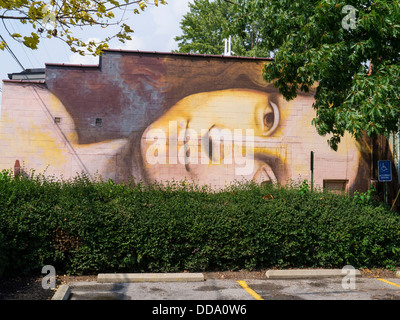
<point>270,119</point>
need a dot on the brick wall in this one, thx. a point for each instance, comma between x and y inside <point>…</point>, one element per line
<point>101,119</point>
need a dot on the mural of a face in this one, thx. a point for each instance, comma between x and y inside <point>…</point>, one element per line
<point>164,116</point>
<point>205,137</point>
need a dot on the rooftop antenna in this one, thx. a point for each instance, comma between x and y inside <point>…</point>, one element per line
<point>227,51</point>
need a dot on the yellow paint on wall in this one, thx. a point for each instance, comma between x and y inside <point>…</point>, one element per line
<point>5,137</point>
<point>73,137</point>
<point>56,105</point>
<point>5,119</point>
<point>40,147</point>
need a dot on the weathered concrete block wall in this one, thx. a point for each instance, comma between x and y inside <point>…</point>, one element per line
<point>159,116</point>
<point>28,132</point>
<point>37,130</point>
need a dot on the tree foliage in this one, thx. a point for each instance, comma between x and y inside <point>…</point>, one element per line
<point>55,18</point>
<point>352,61</point>
<point>208,23</point>
<point>84,226</point>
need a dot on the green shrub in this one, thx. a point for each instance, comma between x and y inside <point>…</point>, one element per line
<point>82,226</point>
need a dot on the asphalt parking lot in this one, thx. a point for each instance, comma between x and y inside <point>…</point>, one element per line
<point>235,289</point>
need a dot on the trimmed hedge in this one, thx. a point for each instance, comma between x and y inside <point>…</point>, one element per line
<point>84,227</point>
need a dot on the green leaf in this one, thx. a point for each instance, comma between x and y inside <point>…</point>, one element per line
<point>32,41</point>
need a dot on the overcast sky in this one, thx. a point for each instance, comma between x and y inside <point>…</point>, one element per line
<point>155,30</point>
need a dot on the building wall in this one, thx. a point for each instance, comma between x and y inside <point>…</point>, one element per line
<point>155,116</point>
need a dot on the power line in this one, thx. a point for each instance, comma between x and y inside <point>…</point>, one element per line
<point>12,53</point>
<point>23,46</point>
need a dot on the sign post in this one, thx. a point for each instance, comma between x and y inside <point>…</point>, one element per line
<point>312,169</point>
<point>385,175</point>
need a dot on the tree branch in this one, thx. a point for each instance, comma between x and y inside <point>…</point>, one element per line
<point>15,18</point>
<point>231,2</point>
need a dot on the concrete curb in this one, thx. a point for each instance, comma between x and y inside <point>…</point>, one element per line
<point>148,277</point>
<point>308,273</point>
<point>62,293</point>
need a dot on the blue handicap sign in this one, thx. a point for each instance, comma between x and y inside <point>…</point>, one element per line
<point>385,171</point>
